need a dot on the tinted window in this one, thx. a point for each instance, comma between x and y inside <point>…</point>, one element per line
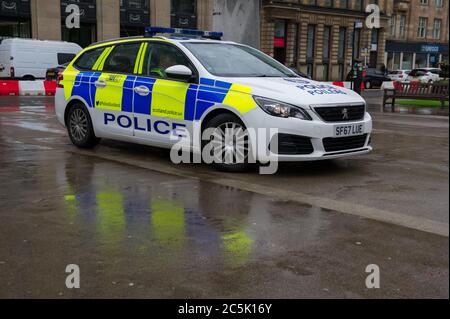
<point>65,57</point>
<point>88,59</point>
<point>122,58</point>
<point>161,56</point>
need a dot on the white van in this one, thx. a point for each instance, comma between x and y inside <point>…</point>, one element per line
<point>29,59</point>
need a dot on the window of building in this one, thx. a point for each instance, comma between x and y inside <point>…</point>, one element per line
<point>345,4</point>
<point>359,5</point>
<point>393,25</point>
<point>356,43</point>
<point>341,51</point>
<point>421,60</point>
<point>326,43</point>
<point>122,58</point>
<point>183,14</point>
<point>296,44</point>
<point>134,16</point>
<point>407,63</point>
<point>279,41</point>
<point>390,61</point>
<point>88,59</point>
<point>424,2</point>
<point>439,3</point>
<point>15,28</point>
<point>341,43</point>
<point>402,26</point>
<point>397,61</point>
<point>84,36</point>
<point>373,59</point>
<point>328,3</point>
<point>310,44</point>
<point>15,19</point>
<point>326,52</point>
<point>437,29</point>
<point>422,30</point>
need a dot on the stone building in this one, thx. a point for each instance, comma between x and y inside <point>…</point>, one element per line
<point>316,36</point>
<point>418,34</point>
<point>100,19</point>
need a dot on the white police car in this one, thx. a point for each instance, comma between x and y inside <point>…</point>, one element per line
<point>155,90</point>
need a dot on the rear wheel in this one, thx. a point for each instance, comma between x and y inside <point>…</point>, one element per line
<point>228,143</point>
<point>79,127</point>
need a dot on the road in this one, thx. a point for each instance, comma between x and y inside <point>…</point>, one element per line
<point>139,226</point>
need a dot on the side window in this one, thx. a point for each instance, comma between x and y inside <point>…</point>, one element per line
<point>160,56</point>
<point>122,58</point>
<point>88,59</point>
<point>65,57</point>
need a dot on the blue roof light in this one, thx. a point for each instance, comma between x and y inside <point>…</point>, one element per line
<point>151,31</point>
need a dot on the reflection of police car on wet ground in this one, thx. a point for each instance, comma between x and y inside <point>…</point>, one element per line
<point>151,89</point>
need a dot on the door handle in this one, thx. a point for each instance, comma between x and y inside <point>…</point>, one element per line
<point>100,84</point>
<point>142,90</point>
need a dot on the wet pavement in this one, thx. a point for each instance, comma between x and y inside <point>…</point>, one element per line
<point>139,226</point>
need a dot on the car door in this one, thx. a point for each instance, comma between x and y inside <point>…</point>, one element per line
<point>113,103</point>
<point>163,107</point>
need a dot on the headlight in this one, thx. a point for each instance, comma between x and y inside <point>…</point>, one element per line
<point>280,109</point>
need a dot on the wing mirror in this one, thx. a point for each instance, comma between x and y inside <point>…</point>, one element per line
<point>179,72</point>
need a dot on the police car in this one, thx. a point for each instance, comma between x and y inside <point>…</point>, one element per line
<point>153,89</point>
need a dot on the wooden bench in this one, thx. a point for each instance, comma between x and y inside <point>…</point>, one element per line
<point>415,90</point>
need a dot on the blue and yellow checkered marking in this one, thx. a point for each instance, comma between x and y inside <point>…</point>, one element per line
<point>167,98</point>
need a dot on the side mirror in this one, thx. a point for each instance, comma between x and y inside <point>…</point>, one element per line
<point>179,72</point>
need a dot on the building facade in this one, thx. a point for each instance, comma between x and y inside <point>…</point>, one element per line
<point>418,35</point>
<point>99,19</point>
<point>317,36</point>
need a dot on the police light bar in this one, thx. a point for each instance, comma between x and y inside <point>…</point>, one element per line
<point>152,31</point>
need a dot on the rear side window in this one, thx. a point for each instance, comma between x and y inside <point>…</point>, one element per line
<point>122,59</point>
<point>88,59</point>
<point>65,57</point>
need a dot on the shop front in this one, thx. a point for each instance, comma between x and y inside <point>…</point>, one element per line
<point>407,56</point>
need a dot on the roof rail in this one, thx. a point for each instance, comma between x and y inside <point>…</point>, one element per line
<point>152,31</point>
<point>117,39</point>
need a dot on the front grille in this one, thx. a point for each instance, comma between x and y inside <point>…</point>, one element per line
<point>335,144</point>
<point>341,113</point>
<point>291,145</point>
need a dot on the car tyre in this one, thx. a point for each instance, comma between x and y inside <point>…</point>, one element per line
<point>79,127</point>
<point>232,123</point>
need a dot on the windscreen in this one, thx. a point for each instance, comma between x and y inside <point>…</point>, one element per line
<point>232,60</point>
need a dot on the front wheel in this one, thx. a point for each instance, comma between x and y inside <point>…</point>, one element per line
<point>228,143</point>
<point>79,127</point>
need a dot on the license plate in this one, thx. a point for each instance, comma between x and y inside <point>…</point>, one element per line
<point>348,130</point>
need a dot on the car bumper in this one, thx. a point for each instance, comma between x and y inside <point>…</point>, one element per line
<point>319,133</point>
<point>60,105</point>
